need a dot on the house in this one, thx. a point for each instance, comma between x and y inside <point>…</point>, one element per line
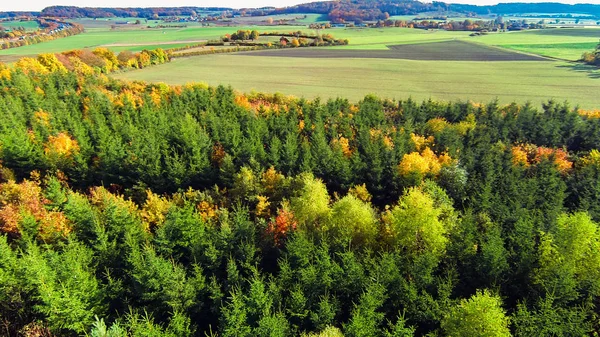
<point>284,40</point>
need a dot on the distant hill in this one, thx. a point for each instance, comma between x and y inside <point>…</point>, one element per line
<point>522,7</point>
<point>336,11</point>
<point>7,15</point>
<point>88,12</point>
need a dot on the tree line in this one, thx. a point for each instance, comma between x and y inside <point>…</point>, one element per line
<point>135,209</point>
<point>592,58</point>
<point>51,30</point>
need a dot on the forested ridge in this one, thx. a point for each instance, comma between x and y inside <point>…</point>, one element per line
<point>134,209</point>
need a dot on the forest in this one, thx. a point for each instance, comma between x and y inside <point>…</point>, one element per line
<point>136,209</point>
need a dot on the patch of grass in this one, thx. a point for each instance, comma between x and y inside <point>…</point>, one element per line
<point>354,78</point>
<point>567,51</point>
<point>564,43</point>
<point>148,37</point>
<point>380,38</point>
<point>28,25</point>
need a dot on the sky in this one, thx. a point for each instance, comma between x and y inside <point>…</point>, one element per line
<point>36,5</point>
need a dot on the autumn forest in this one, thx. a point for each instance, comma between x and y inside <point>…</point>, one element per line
<point>135,209</point>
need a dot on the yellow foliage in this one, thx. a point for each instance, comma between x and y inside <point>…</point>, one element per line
<point>4,72</point>
<point>388,142</point>
<point>51,63</point>
<point>101,197</point>
<point>437,124</point>
<point>590,113</point>
<point>360,192</point>
<point>426,162</point>
<point>243,102</point>
<point>30,65</point>
<point>593,158</point>
<point>129,96</point>
<point>42,117</point>
<point>262,207</point>
<point>467,125</point>
<point>519,156</point>
<point>271,179</point>
<point>26,199</point>
<point>154,210</point>
<point>420,141</point>
<point>155,95</point>
<point>301,125</point>
<point>343,143</point>
<point>413,162</point>
<point>61,145</point>
<point>80,67</point>
<point>207,210</point>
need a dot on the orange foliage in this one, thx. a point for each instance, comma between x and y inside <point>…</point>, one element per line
<point>207,210</point>
<point>590,113</point>
<point>217,155</point>
<point>282,225</point>
<point>344,145</point>
<point>528,154</point>
<point>18,201</point>
<point>242,101</point>
<point>519,156</point>
<point>61,145</point>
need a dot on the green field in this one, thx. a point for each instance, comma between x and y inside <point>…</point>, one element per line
<point>380,38</point>
<point>354,78</point>
<point>566,44</point>
<point>129,39</point>
<point>28,25</point>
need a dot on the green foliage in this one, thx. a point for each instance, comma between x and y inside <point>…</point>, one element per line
<point>416,225</point>
<point>352,222</point>
<point>481,315</point>
<point>263,215</point>
<point>311,205</point>
<point>366,319</point>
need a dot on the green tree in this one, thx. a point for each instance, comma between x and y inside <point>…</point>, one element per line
<point>353,222</point>
<point>480,316</point>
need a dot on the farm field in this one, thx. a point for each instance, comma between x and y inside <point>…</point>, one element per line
<point>453,50</point>
<point>566,44</point>
<point>381,38</point>
<point>519,81</point>
<point>133,40</point>
<point>28,25</point>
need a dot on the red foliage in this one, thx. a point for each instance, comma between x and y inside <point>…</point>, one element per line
<point>281,226</point>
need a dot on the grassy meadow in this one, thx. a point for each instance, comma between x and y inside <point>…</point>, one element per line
<point>130,39</point>
<point>566,44</point>
<point>354,78</point>
<point>28,25</point>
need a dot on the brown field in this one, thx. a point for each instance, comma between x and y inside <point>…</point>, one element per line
<point>435,51</point>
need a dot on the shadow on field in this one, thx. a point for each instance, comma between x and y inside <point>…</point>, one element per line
<point>591,71</point>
